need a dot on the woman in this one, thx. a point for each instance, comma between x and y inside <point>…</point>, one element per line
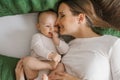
<point>91,56</point>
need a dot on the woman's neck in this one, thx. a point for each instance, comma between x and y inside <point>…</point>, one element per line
<point>87,33</point>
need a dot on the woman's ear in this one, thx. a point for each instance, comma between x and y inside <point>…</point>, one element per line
<point>81,17</point>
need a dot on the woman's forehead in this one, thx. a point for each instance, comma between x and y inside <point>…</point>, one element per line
<point>63,7</point>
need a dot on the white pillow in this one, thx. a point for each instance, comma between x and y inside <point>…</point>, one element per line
<point>16,33</point>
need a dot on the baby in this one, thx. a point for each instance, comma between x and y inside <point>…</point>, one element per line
<point>46,47</point>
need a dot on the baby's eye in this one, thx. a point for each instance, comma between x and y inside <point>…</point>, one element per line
<point>47,26</point>
<point>55,26</point>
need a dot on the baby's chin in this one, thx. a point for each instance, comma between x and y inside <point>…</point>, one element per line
<point>49,35</point>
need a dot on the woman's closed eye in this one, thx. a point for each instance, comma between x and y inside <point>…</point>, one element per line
<point>61,15</point>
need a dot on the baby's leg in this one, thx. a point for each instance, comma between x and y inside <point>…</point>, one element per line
<point>32,66</point>
<point>30,74</point>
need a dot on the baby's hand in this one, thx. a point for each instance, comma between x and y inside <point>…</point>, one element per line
<point>44,77</point>
<point>54,35</point>
<point>55,38</point>
<point>56,57</point>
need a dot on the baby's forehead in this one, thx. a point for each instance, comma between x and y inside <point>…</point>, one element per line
<point>48,13</point>
<point>47,18</point>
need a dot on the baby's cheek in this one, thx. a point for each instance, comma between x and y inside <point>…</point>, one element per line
<point>56,30</point>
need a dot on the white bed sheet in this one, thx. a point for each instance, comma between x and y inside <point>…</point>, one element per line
<point>16,33</point>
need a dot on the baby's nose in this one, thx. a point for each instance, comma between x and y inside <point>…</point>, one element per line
<point>51,29</point>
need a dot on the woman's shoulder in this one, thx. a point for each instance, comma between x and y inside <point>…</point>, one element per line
<point>110,40</point>
<point>110,37</point>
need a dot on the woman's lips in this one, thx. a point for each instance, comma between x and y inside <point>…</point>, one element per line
<point>61,28</point>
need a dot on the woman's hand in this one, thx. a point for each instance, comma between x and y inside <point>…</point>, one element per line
<point>19,70</point>
<point>64,76</point>
<point>52,74</point>
<point>59,68</point>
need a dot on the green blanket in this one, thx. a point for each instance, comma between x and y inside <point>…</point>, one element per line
<point>7,67</point>
<point>109,31</point>
<point>12,7</point>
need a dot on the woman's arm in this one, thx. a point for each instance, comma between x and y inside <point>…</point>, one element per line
<point>19,70</point>
<point>114,60</point>
<point>60,76</point>
<point>65,76</point>
<point>59,68</point>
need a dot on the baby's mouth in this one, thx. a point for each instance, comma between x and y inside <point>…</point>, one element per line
<point>50,33</point>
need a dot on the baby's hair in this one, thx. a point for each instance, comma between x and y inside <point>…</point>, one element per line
<point>49,10</point>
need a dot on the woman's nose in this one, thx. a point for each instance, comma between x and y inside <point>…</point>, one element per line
<point>57,22</point>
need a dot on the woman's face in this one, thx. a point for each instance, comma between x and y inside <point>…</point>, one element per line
<point>67,22</point>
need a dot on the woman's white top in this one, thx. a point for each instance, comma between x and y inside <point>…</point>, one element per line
<point>42,46</point>
<point>96,58</point>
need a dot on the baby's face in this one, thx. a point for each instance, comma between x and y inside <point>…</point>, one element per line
<point>47,24</point>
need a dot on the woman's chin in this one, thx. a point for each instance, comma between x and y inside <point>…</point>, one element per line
<point>63,33</point>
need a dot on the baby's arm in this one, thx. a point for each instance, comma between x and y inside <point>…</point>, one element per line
<point>54,56</point>
<point>38,46</point>
<point>55,38</point>
<point>61,45</point>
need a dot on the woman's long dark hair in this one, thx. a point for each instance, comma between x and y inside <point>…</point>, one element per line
<point>109,10</point>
